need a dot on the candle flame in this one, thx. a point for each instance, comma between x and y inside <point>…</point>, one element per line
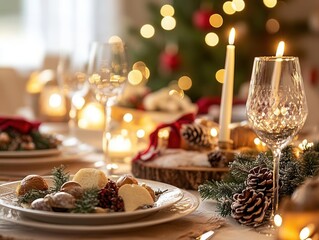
<point>280,49</point>
<point>231,38</point>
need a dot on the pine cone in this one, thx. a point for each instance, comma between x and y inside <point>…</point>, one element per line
<point>108,197</point>
<point>261,180</point>
<point>197,135</point>
<point>250,207</point>
<point>217,159</point>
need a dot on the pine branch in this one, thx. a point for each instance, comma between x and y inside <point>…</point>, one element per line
<point>59,178</point>
<point>32,195</point>
<point>88,202</point>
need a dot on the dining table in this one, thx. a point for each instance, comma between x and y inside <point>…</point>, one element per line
<point>203,219</point>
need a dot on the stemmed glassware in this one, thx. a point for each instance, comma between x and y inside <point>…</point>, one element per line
<point>71,76</point>
<point>107,75</point>
<point>276,107</point>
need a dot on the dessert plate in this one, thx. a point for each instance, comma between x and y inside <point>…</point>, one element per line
<point>31,153</point>
<point>167,199</point>
<point>185,206</point>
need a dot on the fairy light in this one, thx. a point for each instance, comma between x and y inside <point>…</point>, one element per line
<point>141,66</point>
<point>213,132</point>
<point>228,8</point>
<point>55,100</point>
<point>272,26</point>
<point>128,117</point>
<point>135,77</point>
<point>147,31</point>
<point>167,10</point>
<point>238,5</point>
<point>216,20</point>
<point>168,23</point>
<point>78,101</point>
<point>277,220</point>
<point>211,39</point>
<point>140,133</point>
<point>220,75</point>
<point>184,82</point>
<point>270,3</point>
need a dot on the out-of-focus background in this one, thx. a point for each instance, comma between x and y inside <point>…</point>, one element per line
<point>177,46</point>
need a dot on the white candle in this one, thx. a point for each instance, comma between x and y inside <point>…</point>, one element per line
<point>277,68</point>
<point>227,93</point>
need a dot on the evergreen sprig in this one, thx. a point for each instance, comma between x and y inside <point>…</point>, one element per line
<point>59,178</point>
<point>32,195</point>
<point>294,170</point>
<point>87,202</point>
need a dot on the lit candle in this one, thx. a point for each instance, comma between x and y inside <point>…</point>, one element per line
<point>227,93</point>
<point>120,146</point>
<point>277,68</point>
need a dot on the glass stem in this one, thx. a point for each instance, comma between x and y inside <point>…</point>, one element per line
<point>275,201</point>
<point>107,137</point>
<point>72,119</point>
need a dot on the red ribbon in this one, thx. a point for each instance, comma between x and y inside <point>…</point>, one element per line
<point>174,140</point>
<point>20,124</point>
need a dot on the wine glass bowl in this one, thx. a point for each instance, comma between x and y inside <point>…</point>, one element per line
<point>276,107</point>
<point>107,76</point>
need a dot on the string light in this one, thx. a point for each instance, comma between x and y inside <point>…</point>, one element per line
<point>184,83</point>
<point>211,39</point>
<point>220,75</point>
<point>167,10</point>
<point>168,23</point>
<point>270,3</point>
<point>216,20</point>
<point>147,31</point>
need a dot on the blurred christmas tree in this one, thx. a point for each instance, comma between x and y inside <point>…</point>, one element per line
<point>189,38</point>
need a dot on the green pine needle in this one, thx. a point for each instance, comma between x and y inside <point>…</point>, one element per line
<point>88,202</point>
<point>59,178</point>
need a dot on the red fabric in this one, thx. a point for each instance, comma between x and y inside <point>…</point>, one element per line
<point>174,140</point>
<point>20,124</point>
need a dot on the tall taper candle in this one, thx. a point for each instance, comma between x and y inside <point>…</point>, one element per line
<point>227,93</point>
<point>277,67</point>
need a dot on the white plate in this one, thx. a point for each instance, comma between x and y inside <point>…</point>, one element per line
<point>185,206</point>
<point>31,153</point>
<point>167,199</point>
<point>66,154</point>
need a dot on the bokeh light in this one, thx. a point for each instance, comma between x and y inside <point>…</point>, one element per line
<point>220,75</point>
<point>228,8</point>
<point>135,77</point>
<point>167,10</point>
<point>272,26</point>
<point>270,3</point>
<point>168,23</point>
<point>238,5</point>
<point>115,39</point>
<point>147,31</point>
<point>216,20</point>
<point>184,82</point>
<point>211,39</point>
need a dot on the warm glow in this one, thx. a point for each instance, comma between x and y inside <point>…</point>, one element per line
<point>238,5</point>
<point>272,26</point>
<point>140,66</point>
<point>231,38</point>
<point>270,3</point>
<point>220,75</point>
<point>257,141</point>
<point>216,20</point>
<point>280,49</point>
<point>147,31</point>
<point>135,77</point>
<point>228,8</point>
<point>178,93</point>
<point>163,133</point>
<point>305,144</point>
<point>78,101</point>
<point>120,144</point>
<point>140,133</point>
<point>168,23</point>
<point>305,233</point>
<point>211,39</point>
<point>277,220</point>
<point>213,132</point>
<point>167,10</point>
<point>184,83</point>
<point>91,116</point>
<point>128,117</point>
<point>115,39</point>
<point>55,100</point>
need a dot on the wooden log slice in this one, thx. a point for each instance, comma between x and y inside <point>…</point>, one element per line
<point>182,177</point>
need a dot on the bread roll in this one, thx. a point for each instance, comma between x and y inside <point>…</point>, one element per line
<point>90,178</point>
<point>135,196</point>
<point>30,182</point>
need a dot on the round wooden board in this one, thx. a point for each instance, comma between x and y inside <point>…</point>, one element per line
<point>182,177</point>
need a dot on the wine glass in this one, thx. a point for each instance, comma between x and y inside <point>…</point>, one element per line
<point>107,75</point>
<point>276,108</point>
<point>72,81</point>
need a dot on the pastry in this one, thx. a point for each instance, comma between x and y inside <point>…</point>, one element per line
<point>30,182</point>
<point>90,178</point>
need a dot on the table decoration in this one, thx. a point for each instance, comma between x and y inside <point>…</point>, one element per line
<point>250,181</point>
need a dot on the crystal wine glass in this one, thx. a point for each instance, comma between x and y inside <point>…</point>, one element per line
<point>107,75</point>
<point>276,107</point>
<point>71,76</point>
